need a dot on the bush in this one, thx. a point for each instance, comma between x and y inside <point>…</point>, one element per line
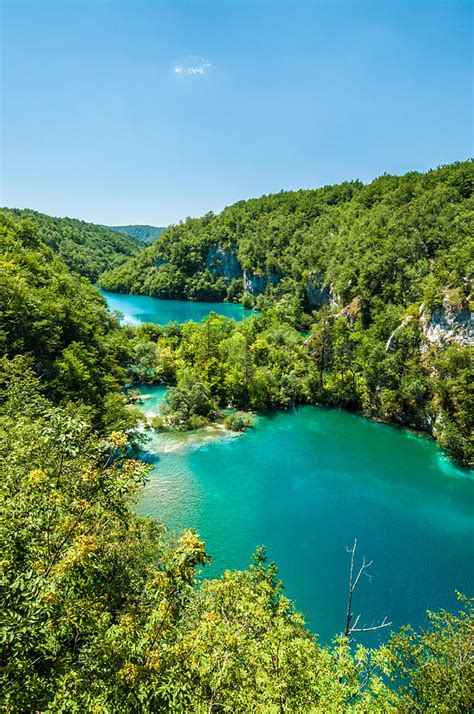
<point>238,421</point>
<point>196,422</point>
<point>248,300</point>
<point>186,401</point>
<point>159,423</point>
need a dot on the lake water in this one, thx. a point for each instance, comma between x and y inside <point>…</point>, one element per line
<point>307,483</point>
<point>137,309</point>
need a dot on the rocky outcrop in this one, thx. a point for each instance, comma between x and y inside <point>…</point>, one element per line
<point>448,325</point>
<point>257,284</point>
<point>350,312</point>
<point>318,293</point>
<point>223,262</point>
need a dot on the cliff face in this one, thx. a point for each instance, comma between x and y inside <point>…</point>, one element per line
<point>224,262</point>
<point>257,284</point>
<point>447,325</point>
<point>318,293</point>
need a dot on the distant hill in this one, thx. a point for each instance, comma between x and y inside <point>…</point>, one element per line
<point>86,248</point>
<point>145,234</point>
<point>385,241</point>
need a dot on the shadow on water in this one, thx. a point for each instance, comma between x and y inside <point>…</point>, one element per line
<point>151,458</point>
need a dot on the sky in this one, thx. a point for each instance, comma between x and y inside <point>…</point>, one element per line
<point>128,111</point>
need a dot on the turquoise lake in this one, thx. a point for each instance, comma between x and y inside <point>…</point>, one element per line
<point>305,484</point>
<point>137,309</point>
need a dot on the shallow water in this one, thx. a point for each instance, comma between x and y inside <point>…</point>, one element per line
<point>137,309</point>
<point>151,397</point>
<point>307,483</point>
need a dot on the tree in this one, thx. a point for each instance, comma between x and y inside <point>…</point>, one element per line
<point>434,669</point>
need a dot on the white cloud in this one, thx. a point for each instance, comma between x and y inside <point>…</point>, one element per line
<point>197,68</point>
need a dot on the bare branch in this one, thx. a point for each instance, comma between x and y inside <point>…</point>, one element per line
<point>351,588</point>
<point>381,625</point>
<point>363,568</point>
<point>353,582</point>
<point>354,626</point>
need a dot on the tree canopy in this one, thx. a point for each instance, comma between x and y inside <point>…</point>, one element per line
<point>86,248</point>
<point>103,610</point>
<point>391,242</point>
<point>144,233</point>
<point>379,277</point>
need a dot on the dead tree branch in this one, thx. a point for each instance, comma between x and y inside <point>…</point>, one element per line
<point>353,582</point>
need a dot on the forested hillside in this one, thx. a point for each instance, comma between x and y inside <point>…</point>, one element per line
<point>86,248</point>
<point>58,324</point>
<point>101,610</point>
<point>379,275</point>
<point>387,242</point>
<point>143,233</point>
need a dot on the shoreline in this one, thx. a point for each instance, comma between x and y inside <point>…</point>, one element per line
<point>217,428</point>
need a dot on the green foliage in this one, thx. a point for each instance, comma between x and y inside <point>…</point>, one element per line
<point>63,527</point>
<point>159,423</point>
<point>102,610</point>
<point>438,663</point>
<point>86,248</point>
<point>454,394</point>
<point>375,263</point>
<point>61,323</point>
<point>248,300</point>
<point>381,240</point>
<point>189,405</point>
<point>238,421</point>
<point>143,233</point>
<point>264,362</point>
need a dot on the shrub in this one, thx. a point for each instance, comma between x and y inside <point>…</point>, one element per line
<point>238,421</point>
<point>159,423</point>
<point>196,422</point>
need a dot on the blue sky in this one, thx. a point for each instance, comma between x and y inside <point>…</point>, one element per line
<point>124,111</point>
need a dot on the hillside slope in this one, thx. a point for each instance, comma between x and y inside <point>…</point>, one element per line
<point>380,276</point>
<point>105,611</point>
<point>56,322</point>
<point>384,240</point>
<point>86,248</point>
<point>143,233</point>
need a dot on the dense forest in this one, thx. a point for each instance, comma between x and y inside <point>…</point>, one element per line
<point>264,362</point>
<point>101,609</point>
<point>392,242</point>
<point>363,292</point>
<point>143,233</point>
<point>379,277</point>
<point>86,248</point>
